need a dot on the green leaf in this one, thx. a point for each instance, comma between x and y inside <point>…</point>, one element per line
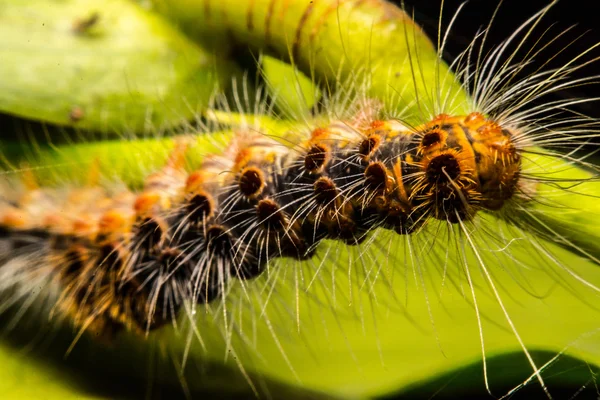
<point>370,45</point>
<point>22,377</point>
<point>104,66</point>
<point>292,91</point>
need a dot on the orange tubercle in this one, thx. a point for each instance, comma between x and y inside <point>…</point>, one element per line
<point>319,133</point>
<point>475,118</point>
<point>113,221</point>
<point>145,203</point>
<point>15,218</point>
<point>194,182</point>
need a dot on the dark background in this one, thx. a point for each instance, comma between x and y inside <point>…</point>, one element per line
<point>582,15</point>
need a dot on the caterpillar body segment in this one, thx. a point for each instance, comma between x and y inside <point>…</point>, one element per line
<point>132,260</point>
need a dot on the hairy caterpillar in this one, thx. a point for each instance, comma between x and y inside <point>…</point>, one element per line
<point>185,235</point>
<point>456,190</point>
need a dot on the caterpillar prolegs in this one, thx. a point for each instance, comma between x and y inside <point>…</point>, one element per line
<point>132,259</point>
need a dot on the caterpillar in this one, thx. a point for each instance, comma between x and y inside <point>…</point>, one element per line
<point>134,260</point>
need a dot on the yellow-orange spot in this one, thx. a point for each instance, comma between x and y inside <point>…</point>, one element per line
<point>14,218</point>
<point>83,226</point>
<point>145,203</point>
<point>319,133</point>
<point>113,221</point>
<point>377,124</point>
<point>399,182</point>
<point>83,196</point>
<point>124,197</point>
<point>52,220</point>
<point>440,117</point>
<point>490,129</point>
<point>467,154</point>
<point>270,157</point>
<point>194,182</point>
<point>242,158</point>
<point>474,118</point>
<point>57,223</point>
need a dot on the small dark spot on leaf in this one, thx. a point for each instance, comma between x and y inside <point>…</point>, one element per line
<point>76,114</point>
